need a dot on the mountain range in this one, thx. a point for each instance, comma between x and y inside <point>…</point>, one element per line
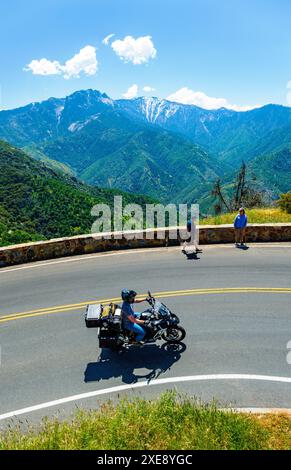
<point>167,150</point>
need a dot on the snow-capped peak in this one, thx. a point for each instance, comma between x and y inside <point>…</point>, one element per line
<point>153,108</point>
<point>59,111</point>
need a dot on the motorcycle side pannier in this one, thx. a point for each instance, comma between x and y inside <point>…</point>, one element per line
<point>107,339</point>
<point>93,316</point>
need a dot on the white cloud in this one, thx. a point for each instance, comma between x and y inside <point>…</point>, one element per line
<point>138,51</point>
<point>187,96</point>
<point>107,39</point>
<point>289,84</point>
<point>148,89</point>
<point>131,92</point>
<point>85,61</point>
<point>44,67</point>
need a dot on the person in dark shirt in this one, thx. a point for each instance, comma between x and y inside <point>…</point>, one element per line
<point>191,229</point>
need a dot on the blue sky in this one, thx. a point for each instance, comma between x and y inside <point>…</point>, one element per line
<point>233,52</point>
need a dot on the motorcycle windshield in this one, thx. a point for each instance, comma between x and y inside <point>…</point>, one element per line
<point>161,309</point>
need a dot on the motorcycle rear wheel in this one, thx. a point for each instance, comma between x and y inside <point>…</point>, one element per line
<point>175,334</point>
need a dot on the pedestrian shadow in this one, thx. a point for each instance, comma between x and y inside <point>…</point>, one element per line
<point>192,256</point>
<point>242,247</point>
<point>111,364</point>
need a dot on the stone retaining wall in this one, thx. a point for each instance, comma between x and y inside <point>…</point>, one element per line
<point>85,244</point>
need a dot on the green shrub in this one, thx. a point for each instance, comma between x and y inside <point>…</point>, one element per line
<point>285,202</point>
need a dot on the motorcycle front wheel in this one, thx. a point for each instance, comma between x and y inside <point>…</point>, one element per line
<point>175,334</point>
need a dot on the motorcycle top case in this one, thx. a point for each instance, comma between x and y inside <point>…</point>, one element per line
<point>93,316</point>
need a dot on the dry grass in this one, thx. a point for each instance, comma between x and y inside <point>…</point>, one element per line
<point>255,216</point>
<point>279,428</point>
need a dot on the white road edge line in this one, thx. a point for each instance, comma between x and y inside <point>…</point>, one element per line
<point>71,259</point>
<point>120,388</point>
<point>262,410</point>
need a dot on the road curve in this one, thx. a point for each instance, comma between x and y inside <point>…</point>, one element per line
<point>235,306</point>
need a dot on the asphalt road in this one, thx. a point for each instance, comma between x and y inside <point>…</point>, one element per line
<point>48,354</point>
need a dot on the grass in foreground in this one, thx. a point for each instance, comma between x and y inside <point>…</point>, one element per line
<point>255,216</point>
<point>170,422</point>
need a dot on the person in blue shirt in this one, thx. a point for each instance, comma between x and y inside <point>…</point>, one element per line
<point>240,223</point>
<point>131,319</point>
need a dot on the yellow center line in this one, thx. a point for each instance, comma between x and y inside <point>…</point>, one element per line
<point>177,293</point>
<point>58,307</point>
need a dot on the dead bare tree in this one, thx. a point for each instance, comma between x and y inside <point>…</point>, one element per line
<point>244,193</point>
<point>217,193</point>
<point>240,187</point>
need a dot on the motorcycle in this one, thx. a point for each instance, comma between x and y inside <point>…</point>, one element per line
<point>160,324</point>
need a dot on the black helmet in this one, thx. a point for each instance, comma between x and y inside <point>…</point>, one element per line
<point>128,295</point>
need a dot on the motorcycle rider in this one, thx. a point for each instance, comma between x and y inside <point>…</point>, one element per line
<point>131,319</point>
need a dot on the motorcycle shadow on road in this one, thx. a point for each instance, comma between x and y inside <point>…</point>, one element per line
<point>157,360</point>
